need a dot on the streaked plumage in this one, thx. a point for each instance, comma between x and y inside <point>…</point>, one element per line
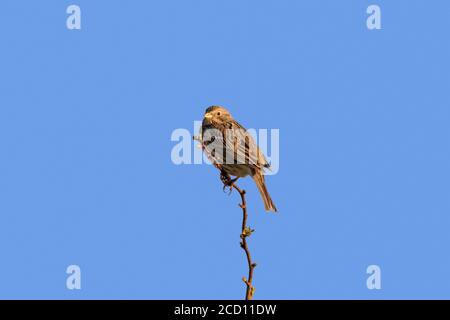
<point>229,146</point>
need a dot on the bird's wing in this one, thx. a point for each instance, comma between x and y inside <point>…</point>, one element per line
<point>244,146</point>
<point>232,145</point>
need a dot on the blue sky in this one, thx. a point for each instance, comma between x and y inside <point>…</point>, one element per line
<point>86,176</point>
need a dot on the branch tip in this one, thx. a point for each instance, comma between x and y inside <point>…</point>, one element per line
<point>245,232</point>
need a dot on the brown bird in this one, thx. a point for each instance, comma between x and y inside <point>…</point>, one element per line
<point>233,151</point>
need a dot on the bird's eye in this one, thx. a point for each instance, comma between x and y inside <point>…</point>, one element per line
<point>218,113</point>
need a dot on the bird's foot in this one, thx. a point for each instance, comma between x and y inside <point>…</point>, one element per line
<point>227,181</point>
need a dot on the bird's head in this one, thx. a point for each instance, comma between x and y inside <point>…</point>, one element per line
<point>217,114</point>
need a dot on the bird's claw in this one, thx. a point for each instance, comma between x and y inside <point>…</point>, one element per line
<point>225,189</point>
<point>227,181</point>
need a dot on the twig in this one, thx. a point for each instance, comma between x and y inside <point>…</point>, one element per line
<point>246,232</point>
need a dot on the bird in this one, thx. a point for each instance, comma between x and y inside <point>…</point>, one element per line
<point>233,151</point>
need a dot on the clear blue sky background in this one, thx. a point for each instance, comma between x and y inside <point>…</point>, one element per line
<point>86,176</point>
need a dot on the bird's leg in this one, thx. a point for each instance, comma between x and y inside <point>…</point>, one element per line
<point>234,180</point>
<point>227,181</point>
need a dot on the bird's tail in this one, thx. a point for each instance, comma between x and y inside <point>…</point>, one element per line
<point>268,203</point>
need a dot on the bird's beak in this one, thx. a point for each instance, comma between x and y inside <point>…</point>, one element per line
<point>208,115</point>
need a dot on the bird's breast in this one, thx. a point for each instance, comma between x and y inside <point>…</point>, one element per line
<point>237,170</point>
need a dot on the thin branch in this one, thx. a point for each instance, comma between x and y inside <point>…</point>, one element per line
<point>246,232</point>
